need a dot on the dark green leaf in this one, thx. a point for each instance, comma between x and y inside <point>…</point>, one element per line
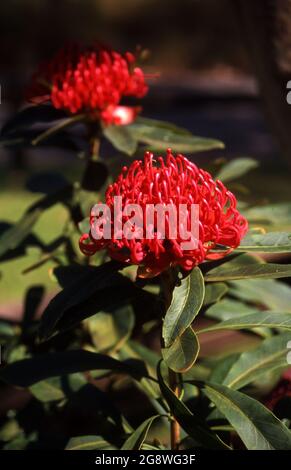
<point>255,270</point>
<point>155,123</point>
<point>58,127</point>
<point>121,139</point>
<point>182,353</point>
<point>271,242</point>
<point>222,368</point>
<point>257,319</point>
<point>214,292</point>
<point>191,423</point>
<point>269,355</point>
<point>257,427</point>
<point>30,371</point>
<point>29,116</point>
<point>186,302</point>
<point>162,137</point>
<point>84,297</point>
<point>137,438</point>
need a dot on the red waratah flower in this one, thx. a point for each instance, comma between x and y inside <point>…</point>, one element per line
<point>174,181</point>
<point>91,81</point>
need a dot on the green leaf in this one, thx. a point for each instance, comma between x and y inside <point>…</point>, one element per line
<point>109,330</point>
<point>191,423</point>
<point>155,123</point>
<point>28,116</point>
<point>21,441</point>
<point>89,293</point>
<point>121,138</point>
<point>236,168</point>
<point>183,352</point>
<point>255,270</point>
<point>261,318</point>
<point>257,427</point>
<point>15,235</point>
<point>273,294</point>
<point>269,355</point>
<point>58,127</point>
<point>161,137</point>
<point>271,214</point>
<point>6,329</point>
<point>89,443</point>
<point>10,430</point>
<point>48,390</point>
<point>271,242</point>
<point>221,368</point>
<point>57,388</point>
<point>186,302</point>
<point>229,308</point>
<point>30,371</point>
<point>214,292</point>
<point>137,438</point>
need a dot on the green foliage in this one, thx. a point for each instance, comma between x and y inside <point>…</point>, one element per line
<point>257,427</point>
<point>91,335</point>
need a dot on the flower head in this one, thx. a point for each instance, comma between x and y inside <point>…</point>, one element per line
<point>172,181</point>
<point>91,81</point>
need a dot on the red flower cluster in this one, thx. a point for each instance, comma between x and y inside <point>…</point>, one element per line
<point>90,81</point>
<point>172,181</point>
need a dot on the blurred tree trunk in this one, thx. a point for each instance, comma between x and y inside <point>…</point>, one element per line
<point>266,26</point>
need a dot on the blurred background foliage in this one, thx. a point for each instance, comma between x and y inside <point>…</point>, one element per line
<point>211,83</point>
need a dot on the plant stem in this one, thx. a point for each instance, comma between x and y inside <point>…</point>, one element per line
<point>175,427</point>
<point>95,146</point>
<point>168,279</point>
